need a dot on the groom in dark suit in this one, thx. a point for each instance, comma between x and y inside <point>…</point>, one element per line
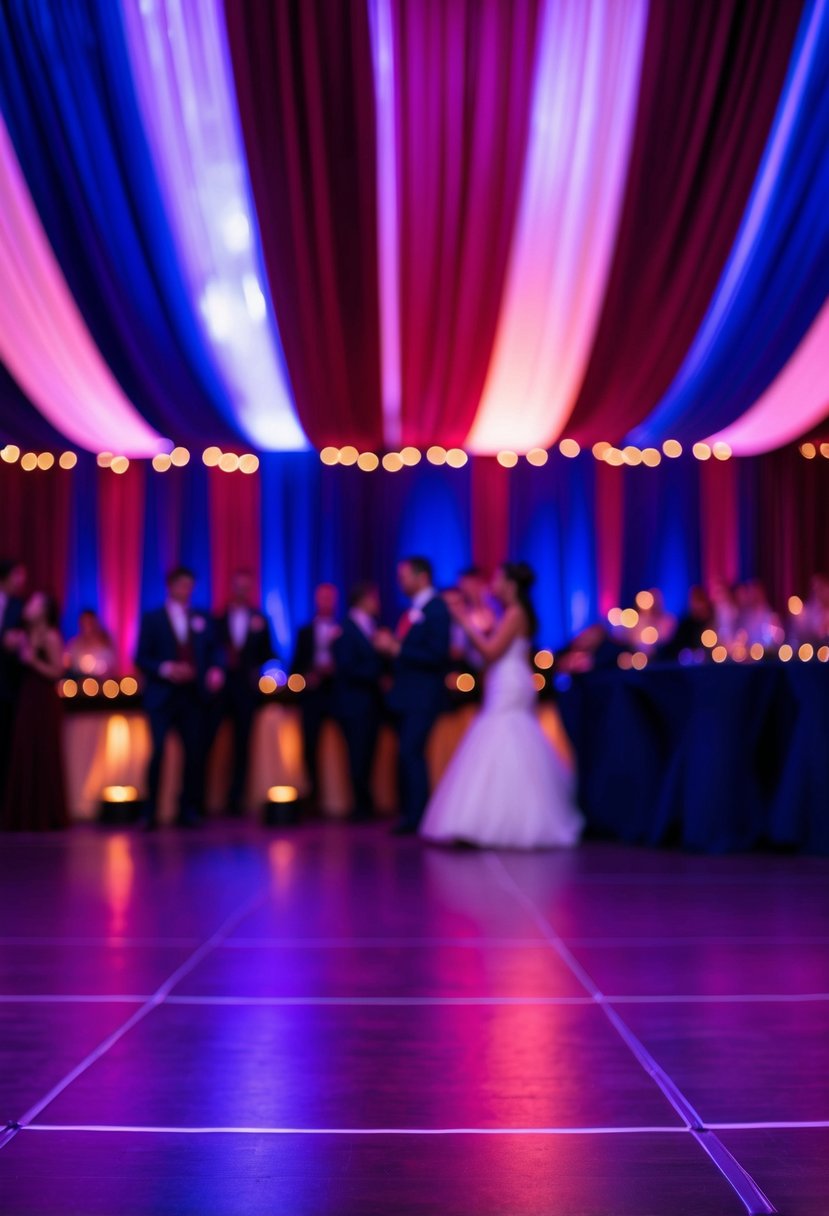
<point>420,650</point>
<point>178,656</point>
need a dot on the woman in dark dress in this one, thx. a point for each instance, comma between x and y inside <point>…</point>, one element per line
<point>35,795</point>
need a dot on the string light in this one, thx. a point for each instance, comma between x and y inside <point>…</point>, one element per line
<point>651,457</point>
<point>537,457</point>
<point>719,654</point>
<point>411,456</point>
<point>129,686</point>
<point>721,451</point>
<point>296,682</point>
<point>162,462</point>
<point>45,460</point>
<point>10,453</point>
<point>248,463</point>
<point>702,451</point>
<point>436,455</point>
<point>456,458</point>
<point>795,605</point>
<point>392,462</point>
<point>368,462</point>
<point>210,456</point>
<point>104,460</point>
<point>785,653</point>
<point>465,682</point>
<point>229,462</point>
<point>68,460</point>
<point>544,659</point>
<point>601,449</point>
<point>507,460</point>
<point>28,461</point>
<point>119,464</point>
<point>672,448</point>
<point>806,652</point>
<point>808,450</point>
<point>349,455</point>
<point>631,455</point>
<point>330,456</point>
<point>644,600</point>
<point>569,448</point>
<point>180,457</point>
<point>267,685</point>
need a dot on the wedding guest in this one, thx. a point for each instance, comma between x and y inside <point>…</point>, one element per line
<point>90,652</point>
<point>314,661</point>
<point>812,623</point>
<point>655,626</point>
<point>12,586</point>
<point>420,650</point>
<point>177,654</point>
<point>592,649</point>
<point>756,620</point>
<point>726,612</point>
<point>698,617</point>
<point>357,699</point>
<point>244,637</point>
<point>35,795</point>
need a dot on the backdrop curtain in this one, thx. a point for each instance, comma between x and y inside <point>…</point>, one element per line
<point>26,500</point>
<point>463,74</point>
<point>68,100</point>
<point>711,77</point>
<point>120,531</point>
<point>661,531</point>
<point>305,88</point>
<point>777,276</point>
<point>719,521</point>
<point>792,522</point>
<point>235,540</point>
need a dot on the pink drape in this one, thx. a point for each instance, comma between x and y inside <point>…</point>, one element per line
<point>43,339</point>
<point>121,500</point>
<point>463,74</point>
<point>235,532</point>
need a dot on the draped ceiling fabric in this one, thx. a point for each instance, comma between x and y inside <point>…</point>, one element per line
<point>777,275</point>
<point>185,87</point>
<point>583,110</point>
<point>711,78</point>
<point>463,73</point>
<point>305,86</point>
<point>43,339</point>
<point>474,223</point>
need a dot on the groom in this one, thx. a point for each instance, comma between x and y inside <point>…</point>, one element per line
<point>420,650</point>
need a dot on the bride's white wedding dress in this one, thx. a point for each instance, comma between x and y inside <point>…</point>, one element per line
<point>506,786</point>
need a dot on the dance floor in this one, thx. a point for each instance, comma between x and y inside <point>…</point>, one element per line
<point>329,1020</point>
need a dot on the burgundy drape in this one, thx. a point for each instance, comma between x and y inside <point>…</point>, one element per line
<point>711,79</point>
<point>235,531</point>
<point>35,511</point>
<point>792,523</point>
<point>121,502</point>
<point>463,77</point>
<point>490,513</point>
<point>609,535</point>
<point>719,521</point>
<point>305,86</point>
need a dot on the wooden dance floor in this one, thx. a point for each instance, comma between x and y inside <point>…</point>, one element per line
<point>329,1020</point>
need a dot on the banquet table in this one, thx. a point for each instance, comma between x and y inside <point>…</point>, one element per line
<point>717,758</point>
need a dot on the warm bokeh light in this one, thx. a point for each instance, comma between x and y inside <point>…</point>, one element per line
<point>625,661</point>
<point>392,462</point>
<point>702,451</point>
<point>785,653</point>
<point>111,689</point>
<point>45,460</point>
<point>69,688</point>
<point>823,654</point>
<point>349,455</point>
<point>267,685</point>
<point>651,457</point>
<point>615,617</point>
<point>824,450</point>
<point>639,661</point>
<point>229,462</point>
<point>537,457</point>
<point>631,455</point>
<point>806,652</point>
<point>162,462</point>
<point>601,449</point>
<point>569,448</point>
<point>540,681</point>
<point>283,793</point>
<point>90,687</point>
<point>808,450</point>
<point>119,464</point>
<point>719,654</point>
<point>180,457</point>
<point>644,601</point>
<point>68,460</point>
<point>544,659</point>
<point>649,635</point>
<point>296,682</point>
<point>456,458</point>
<point>28,462</point>
<point>721,451</point>
<point>614,458</point>
<point>211,457</point>
<point>465,682</point>
<point>507,459</point>
<point>757,651</point>
<point>411,456</point>
<point>129,686</point>
<point>10,453</point>
<point>104,460</point>
<point>709,638</point>
<point>672,448</point>
<point>248,463</point>
<point>368,462</point>
<point>630,618</point>
<point>330,455</point>
<point>119,793</point>
<point>795,605</point>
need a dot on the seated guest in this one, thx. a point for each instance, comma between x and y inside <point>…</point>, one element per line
<point>35,796</point>
<point>178,656</point>
<point>756,620</point>
<point>90,652</point>
<point>314,661</point>
<point>726,613</point>
<point>655,626</point>
<point>356,695</point>
<point>698,617</point>
<point>12,586</point>
<point>244,637</point>
<point>593,649</point>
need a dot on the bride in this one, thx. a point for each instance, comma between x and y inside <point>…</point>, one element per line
<point>505,786</point>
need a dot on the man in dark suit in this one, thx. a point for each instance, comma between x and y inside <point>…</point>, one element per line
<point>178,656</point>
<point>356,696</point>
<point>12,586</point>
<point>420,649</point>
<point>314,661</point>
<point>243,636</point>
